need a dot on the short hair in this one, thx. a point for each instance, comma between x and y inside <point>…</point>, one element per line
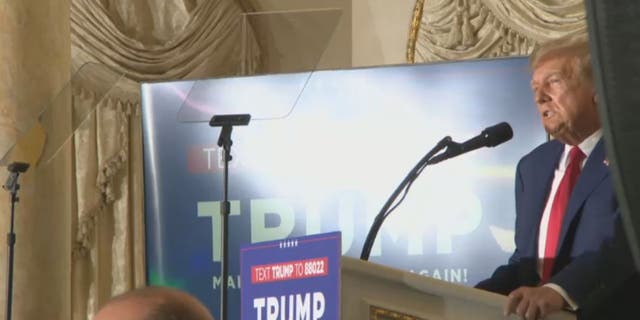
<point>166,304</point>
<point>573,46</point>
<point>172,309</point>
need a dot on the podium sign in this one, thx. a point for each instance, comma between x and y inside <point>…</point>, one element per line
<point>295,278</point>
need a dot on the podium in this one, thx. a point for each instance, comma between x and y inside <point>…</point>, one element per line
<point>375,292</point>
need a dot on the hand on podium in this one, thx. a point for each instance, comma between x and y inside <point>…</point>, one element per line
<point>533,302</point>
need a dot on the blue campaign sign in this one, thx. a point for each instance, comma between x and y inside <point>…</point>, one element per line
<point>323,152</point>
<point>295,278</point>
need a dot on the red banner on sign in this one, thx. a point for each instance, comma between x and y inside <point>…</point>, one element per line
<point>290,270</point>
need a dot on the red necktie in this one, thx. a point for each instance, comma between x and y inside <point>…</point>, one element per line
<point>558,209</point>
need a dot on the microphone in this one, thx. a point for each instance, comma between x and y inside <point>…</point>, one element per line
<point>15,168</point>
<point>490,137</point>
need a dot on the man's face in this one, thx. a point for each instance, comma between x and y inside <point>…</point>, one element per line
<point>566,103</point>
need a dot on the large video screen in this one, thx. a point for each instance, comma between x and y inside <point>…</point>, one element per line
<point>323,152</point>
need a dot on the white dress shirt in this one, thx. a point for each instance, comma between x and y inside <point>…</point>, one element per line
<point>586,147</point>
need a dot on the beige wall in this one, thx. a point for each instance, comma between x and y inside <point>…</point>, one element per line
<point>370,32</point>
<point>287,41</point>
<point>35,55</point>
<point>380,30</point>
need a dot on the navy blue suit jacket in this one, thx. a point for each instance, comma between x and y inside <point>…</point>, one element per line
<point>608,283</point>
<point>588,222</point>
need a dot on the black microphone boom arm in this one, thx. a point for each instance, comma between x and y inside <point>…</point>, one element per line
<point>490,137</point>
<point>413,174</point>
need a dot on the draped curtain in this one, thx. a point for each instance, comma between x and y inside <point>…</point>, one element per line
<point>115,45</point>
<point>469,29</point>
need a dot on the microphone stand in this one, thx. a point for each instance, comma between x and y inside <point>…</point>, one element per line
<point>404,185</point>
<point>453,149</point>
<point>224,140</point>
<point>12,186</point>
<point>489,137</point>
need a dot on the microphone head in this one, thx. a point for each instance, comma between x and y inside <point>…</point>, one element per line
<point>18,167</point>
<point>497,134</point>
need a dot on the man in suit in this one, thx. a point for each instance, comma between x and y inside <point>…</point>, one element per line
<point>565,201</point>
<point>153,303</point>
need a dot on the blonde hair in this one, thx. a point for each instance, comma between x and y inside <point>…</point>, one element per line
<point>574,47</point>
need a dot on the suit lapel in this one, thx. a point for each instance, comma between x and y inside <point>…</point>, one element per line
<point>592,174</point>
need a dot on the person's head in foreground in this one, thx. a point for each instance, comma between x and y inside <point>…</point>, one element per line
<point>563,89</point>
<point>153,303</point>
